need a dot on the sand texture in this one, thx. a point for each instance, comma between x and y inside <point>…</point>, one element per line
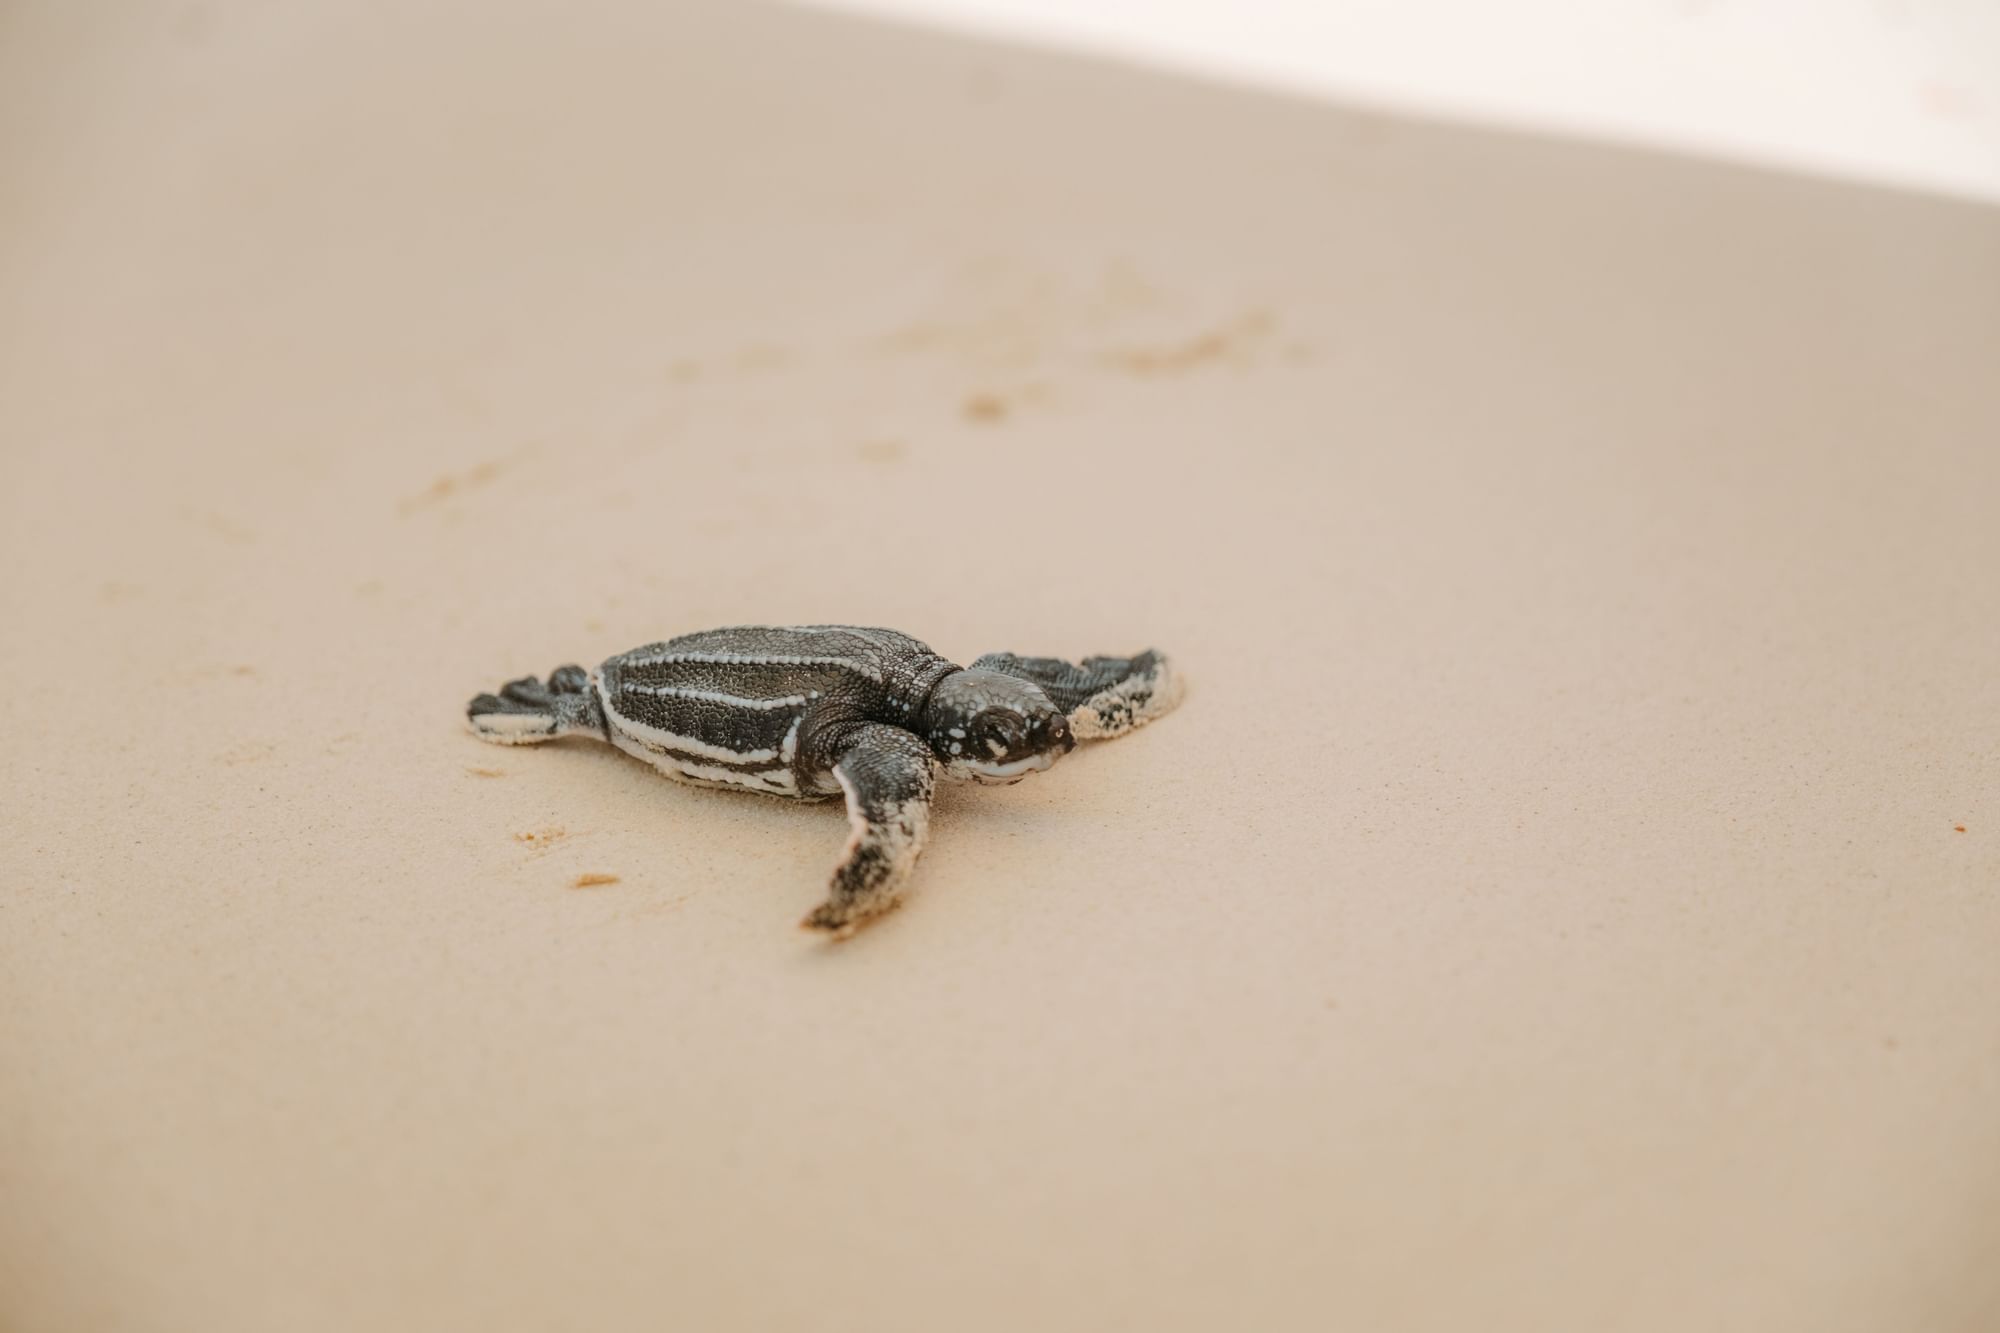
<point>1568,899</point>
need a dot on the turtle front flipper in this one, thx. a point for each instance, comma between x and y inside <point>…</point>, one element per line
<point>887,775</point>
<point>1104,696</point>
<point>526,711</point>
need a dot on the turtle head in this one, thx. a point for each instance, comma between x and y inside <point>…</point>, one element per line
<point>994,728</point>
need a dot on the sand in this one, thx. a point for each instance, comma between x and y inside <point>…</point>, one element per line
<point>1550,908</point>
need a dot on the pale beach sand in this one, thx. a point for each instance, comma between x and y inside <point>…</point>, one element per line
<point>1548,911</point>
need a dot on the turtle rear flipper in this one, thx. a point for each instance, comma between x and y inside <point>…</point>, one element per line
<point>1103,696</point>
<point>526,711</point>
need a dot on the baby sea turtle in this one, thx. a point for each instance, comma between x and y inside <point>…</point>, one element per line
<point>814,711</point>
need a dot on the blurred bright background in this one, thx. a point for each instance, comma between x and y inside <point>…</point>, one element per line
<point>1902,92</point>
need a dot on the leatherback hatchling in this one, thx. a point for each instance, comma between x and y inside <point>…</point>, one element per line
<point>814,711</point>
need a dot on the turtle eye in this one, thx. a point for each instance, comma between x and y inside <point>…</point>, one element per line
<point>1003,729</point>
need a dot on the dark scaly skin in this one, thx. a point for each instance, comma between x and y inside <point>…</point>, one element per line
<point>845,674</point>
<point>1116,693</point>
<point>889,776</point>
<point>810,711</point>
<point>567,700</point>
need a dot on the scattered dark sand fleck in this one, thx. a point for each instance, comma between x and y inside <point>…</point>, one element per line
<point>1232,343</point>
<point>487,772</point>
<point>446,487</point>
<point>985,407</point>
<point>881,451</point>
<point>591,881</point>
<point>543,838</point>
<point>1176,356</point>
